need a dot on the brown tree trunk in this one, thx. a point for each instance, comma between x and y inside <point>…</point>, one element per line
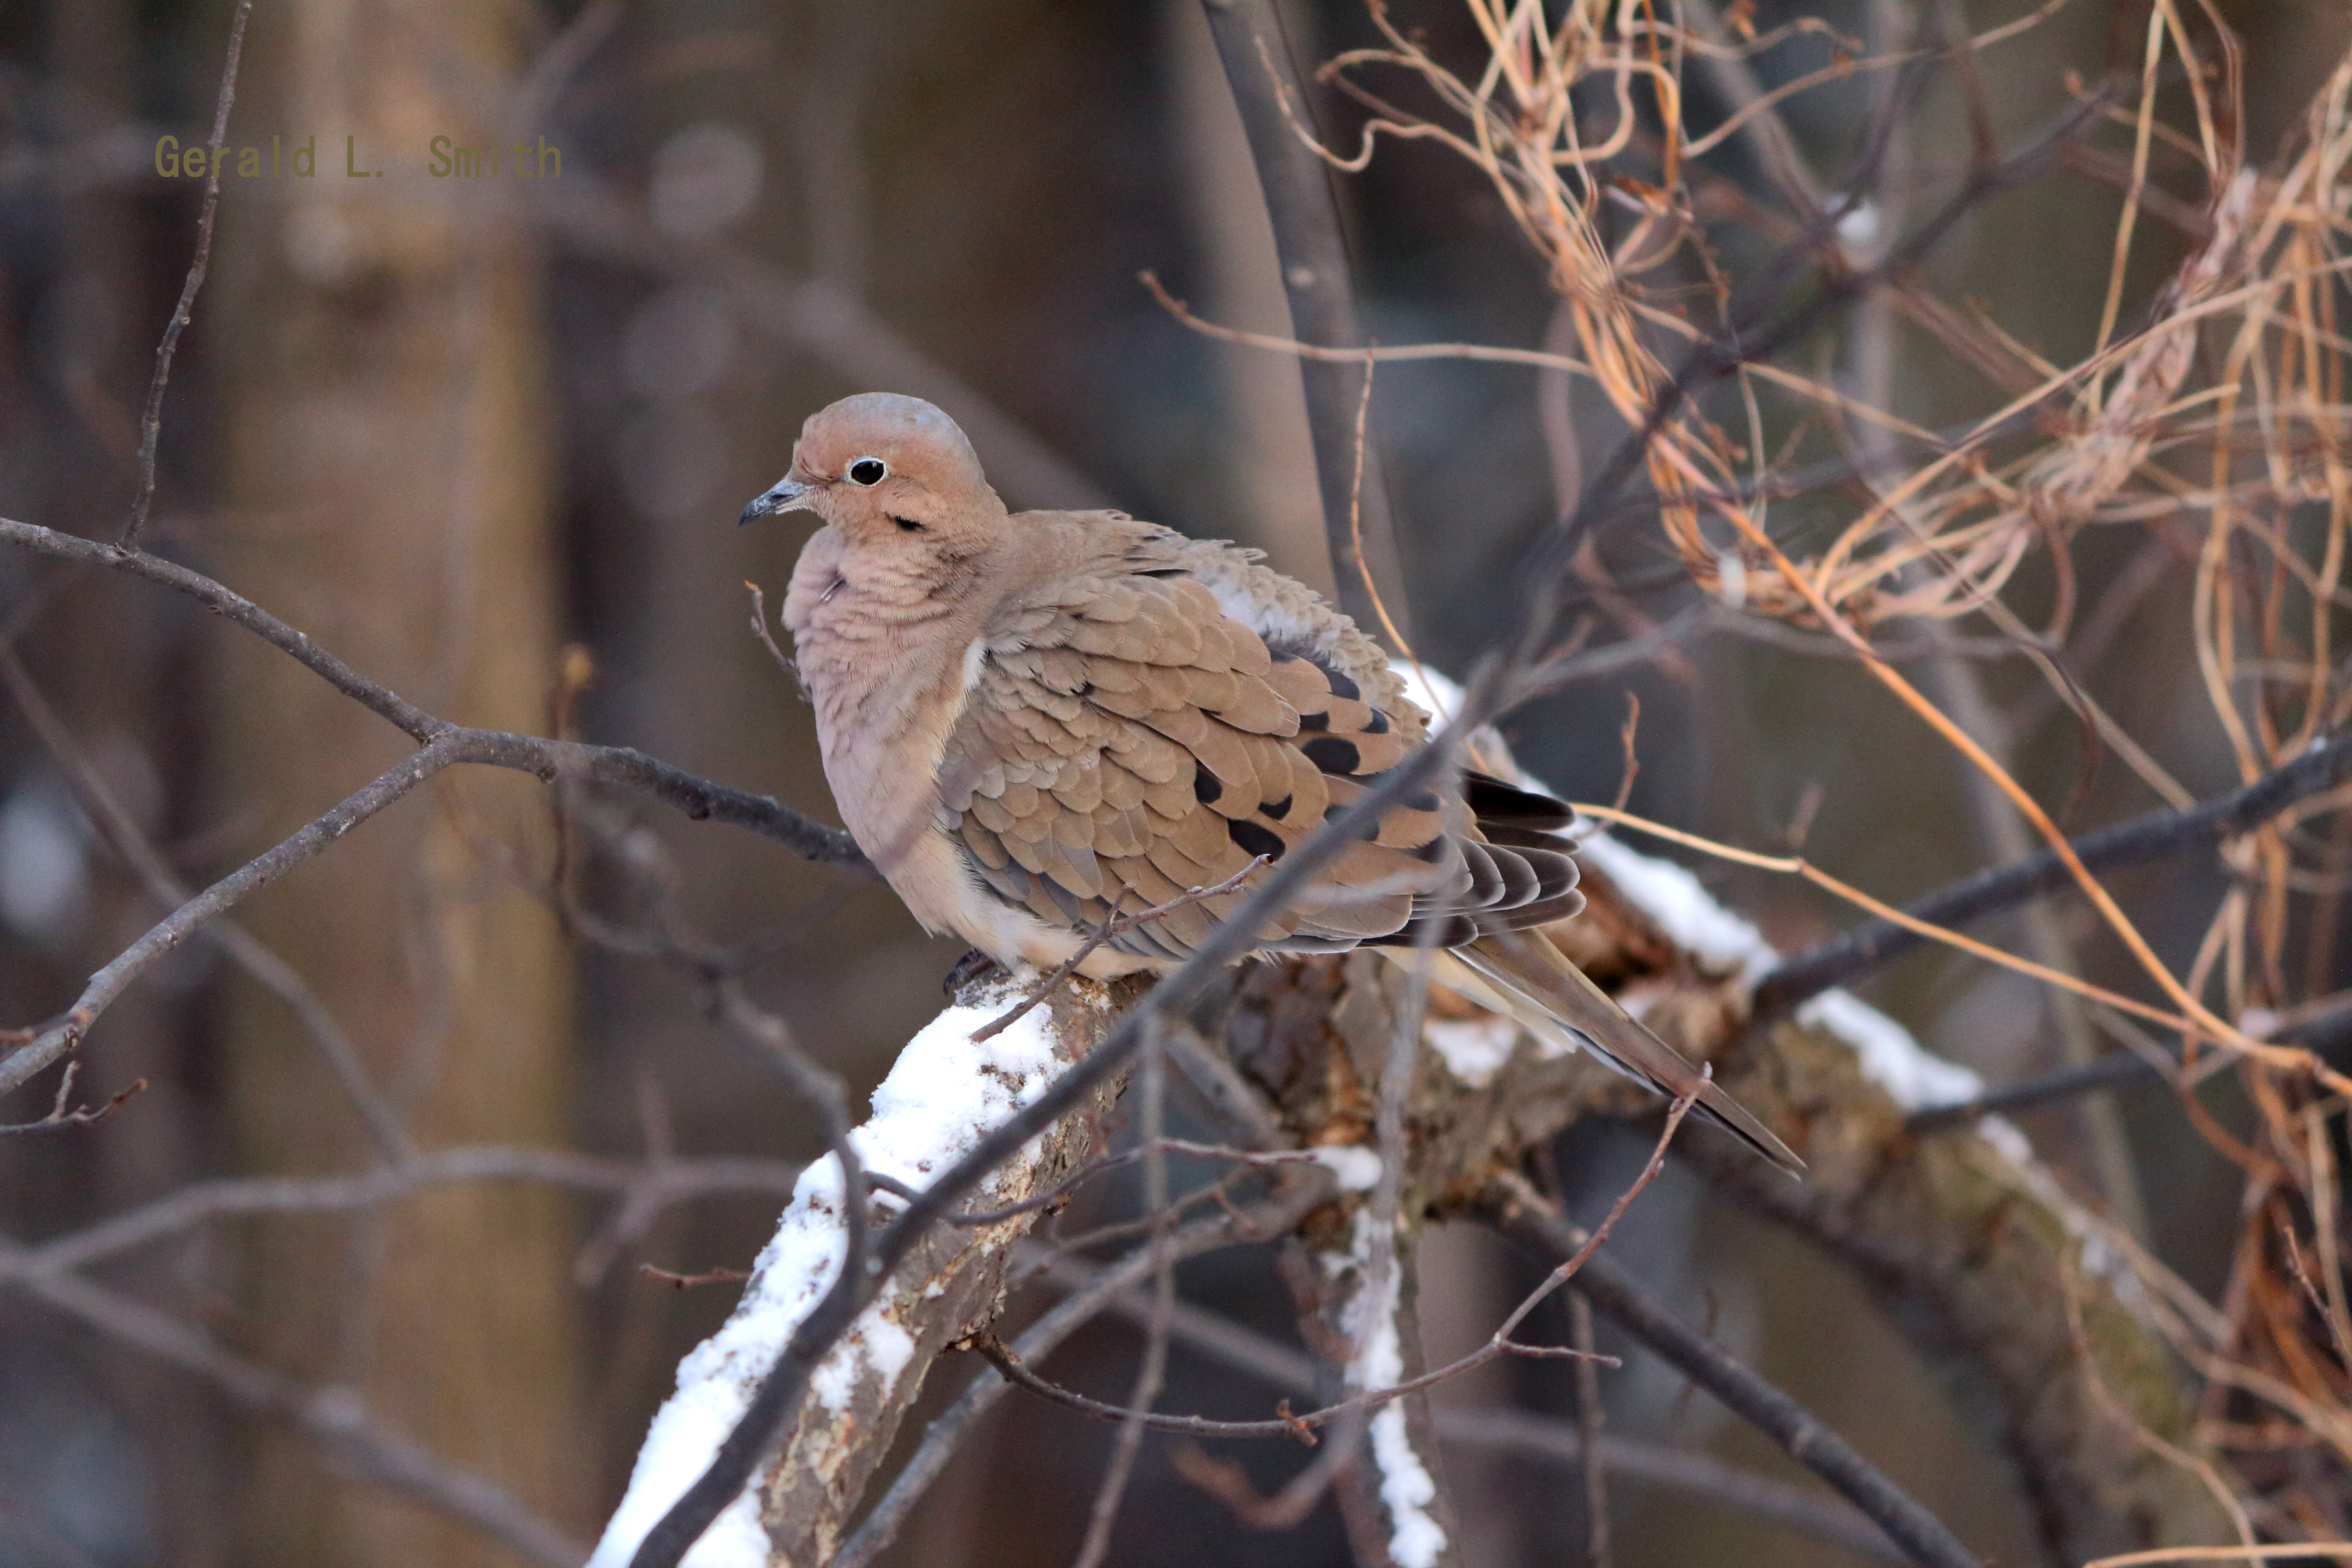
<point>386,446</point>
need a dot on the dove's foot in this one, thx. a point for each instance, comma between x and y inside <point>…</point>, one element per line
<point>969,968</point>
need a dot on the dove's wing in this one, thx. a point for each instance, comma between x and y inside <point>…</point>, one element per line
<point>1123,742</point>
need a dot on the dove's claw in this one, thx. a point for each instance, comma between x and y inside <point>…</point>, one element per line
<point>969,968</point>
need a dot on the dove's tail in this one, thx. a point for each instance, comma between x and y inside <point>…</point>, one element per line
<point>1522,975</point>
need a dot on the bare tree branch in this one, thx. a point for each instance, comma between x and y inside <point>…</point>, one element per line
<point>335,1417</point>
<point>1547,1438</point>
<point>594,764</point>
<point>2152,836</point>
<point>246,951</point>
<point>2326,1034</point>
<point>1807,1439</point>
<point>1319,284</point>
<point>64,1116</point>
<point>151,421</point>
<point>66,1033</point>
<point>662,1182</point>
<point>1698,1477</point>
<point>1092,1288</point>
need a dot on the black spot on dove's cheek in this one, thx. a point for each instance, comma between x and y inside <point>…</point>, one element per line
<point>1332,754</point>
<point>1254,840</point>
<point>1205,787</point>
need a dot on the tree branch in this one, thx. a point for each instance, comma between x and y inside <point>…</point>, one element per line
<point>2152,836</point>
<point>1318,283</point>
<point>333,1416</point>
<point>662,1182</point>
<point>267,968</point>
<point>1546,1438</point>
<point>621,765</point>
<point>1097,1288</point>
<point>1803,1435</point>
<point>2326,1035</point>
<point>151,421</point>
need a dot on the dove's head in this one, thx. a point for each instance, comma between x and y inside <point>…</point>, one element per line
<point>888,472</point>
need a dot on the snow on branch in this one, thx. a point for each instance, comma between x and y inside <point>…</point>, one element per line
<point>944,1094</point>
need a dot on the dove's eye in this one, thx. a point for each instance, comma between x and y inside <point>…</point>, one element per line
<point>867,471</point>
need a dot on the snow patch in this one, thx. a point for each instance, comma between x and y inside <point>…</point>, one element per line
<point>1416,1539</point>
<point>1680,905</point>
<point>945,1093</point>
<point>1913,1076</point>
<point>1358,1168</point>
<point>1475,1049</point>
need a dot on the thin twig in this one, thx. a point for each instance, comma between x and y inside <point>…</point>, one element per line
<point>66,1033</point>
<point>267,968</point>
<point>1102,1286</point>
<point>1298,1426</point>
<point>1301,1426</point>
<point>150,422</point>
<point>662,1183</point>
<point>1684,1474</point>
<point>335,1417</point>
<point>684,1281</point>
<point>2326,1033</point>
<point>64,1116</point>
<point>1807,1439</point>
<point>1150,1377</point>
<point>1587,1431</point>
<point>619,765</point>
<point>1313,255</point>
<point>2152,836</point>
<point>1287,1368</point>
<point>768,639</point>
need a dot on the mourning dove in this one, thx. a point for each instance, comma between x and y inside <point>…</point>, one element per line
<point>1035,721</point>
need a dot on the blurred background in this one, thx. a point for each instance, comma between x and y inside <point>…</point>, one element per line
<point>451,427</point>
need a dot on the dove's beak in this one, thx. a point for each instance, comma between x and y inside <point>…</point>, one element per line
<point>785,495</point>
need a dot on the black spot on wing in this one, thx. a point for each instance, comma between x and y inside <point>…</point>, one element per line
<point>1333,754</point>
<point>1254,840</point>
<point>1205,787</point>
<point>1492,799</point>
<point>1278,809</point>
<point>1310,723</point>
<point>1341,685</point>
